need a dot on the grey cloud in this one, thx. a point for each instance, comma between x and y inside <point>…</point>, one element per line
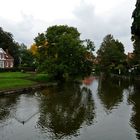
<point>89,24</point>
<point>96,27</point>
<point>25,30</point>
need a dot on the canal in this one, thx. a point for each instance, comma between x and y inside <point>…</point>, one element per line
<point>99,109</point>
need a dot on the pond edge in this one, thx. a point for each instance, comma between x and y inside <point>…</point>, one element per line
<point>26,89</point>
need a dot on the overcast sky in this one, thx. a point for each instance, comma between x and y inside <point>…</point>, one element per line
<point>93,18</point>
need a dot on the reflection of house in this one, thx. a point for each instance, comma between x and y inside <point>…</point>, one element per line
<point>88,80</point>
<point>6,60</point>
<point>130,56</point>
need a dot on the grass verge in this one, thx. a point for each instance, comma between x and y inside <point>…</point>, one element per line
<point>14,80</point>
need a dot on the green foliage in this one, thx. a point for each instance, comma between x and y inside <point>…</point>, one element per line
<point>111,54</point>
<point>62,54</point>
<point>26,57</point>
<point>7,43</point>
<point>135,30</point>
<point>40,39</point>
<point>136,20</point>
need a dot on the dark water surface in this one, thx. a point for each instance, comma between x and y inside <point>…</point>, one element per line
<point>102,109</point>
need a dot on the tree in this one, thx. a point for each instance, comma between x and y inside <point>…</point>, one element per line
<point>135,30</point>
<point>33,49</point>
<point>111,54</point>
<point>7,43</point>
<point>62,54</point>
<point>26,57</point>
<point>41,44</point>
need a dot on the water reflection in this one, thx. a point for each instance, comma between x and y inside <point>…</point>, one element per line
<point>66,112</point>
<point>110,92</point>
<point>7,103</point>
<point>26,108</point>
<point>65,109</point>
<point>134,99</point>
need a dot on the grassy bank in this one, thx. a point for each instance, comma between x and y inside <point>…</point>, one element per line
<point>14,80</point>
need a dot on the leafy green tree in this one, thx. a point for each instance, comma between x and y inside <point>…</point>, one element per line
<point>42,45</point>
<point>26,57</point>
<point>135,30</point>
<point>62,54</point>
<point>7,43</point>
<point>111,54</point>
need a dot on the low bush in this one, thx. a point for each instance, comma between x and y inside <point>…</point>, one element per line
<point>9,69</point>
<point>41,78</point>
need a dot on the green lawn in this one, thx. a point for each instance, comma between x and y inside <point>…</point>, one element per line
<point>13,80</point>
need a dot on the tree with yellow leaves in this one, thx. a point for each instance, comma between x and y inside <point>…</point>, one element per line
<point>33,49</point>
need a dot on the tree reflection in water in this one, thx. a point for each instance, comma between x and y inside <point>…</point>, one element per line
<point>110,92</point>
<point>7,104</point>
<point>134,99</point>
<point>64,109</point>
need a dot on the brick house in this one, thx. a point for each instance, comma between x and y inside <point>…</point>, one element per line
<point>6,60</point>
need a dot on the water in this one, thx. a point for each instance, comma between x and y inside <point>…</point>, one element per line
<point>100,109</point>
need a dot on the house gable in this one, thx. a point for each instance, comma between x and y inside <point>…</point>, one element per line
<point>6,60</point>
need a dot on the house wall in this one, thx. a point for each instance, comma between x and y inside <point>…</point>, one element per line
<point>1,64</point>
<point>8,63</point>
<point>1,60</point>
<point>5,61</point>
<point>1,56</point>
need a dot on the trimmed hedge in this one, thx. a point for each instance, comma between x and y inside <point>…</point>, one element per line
<point>15,69</point>
<point>30,69</point>
<point>9,69</point>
